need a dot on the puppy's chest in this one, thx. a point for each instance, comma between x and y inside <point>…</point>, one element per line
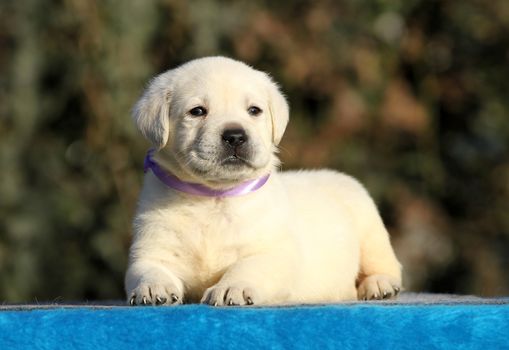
<point>212,237</point>
<point>210,240</point>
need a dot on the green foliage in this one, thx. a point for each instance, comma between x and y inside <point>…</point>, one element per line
<point>409,96</point>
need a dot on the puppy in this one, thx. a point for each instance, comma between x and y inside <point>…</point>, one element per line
<point>217,223</point>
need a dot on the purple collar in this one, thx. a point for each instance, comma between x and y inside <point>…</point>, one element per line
<point>197,189</point>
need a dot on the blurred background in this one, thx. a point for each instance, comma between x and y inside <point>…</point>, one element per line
<point>409,96</point>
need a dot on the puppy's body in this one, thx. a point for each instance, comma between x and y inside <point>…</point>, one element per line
<point>303,237</point>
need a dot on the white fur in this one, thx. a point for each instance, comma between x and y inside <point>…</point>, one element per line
<point>304,237</point>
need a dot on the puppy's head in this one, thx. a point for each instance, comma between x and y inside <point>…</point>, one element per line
<point>218,119</point>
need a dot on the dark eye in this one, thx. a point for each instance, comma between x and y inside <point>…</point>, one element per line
<point>254,111</point>
<point>198,111</point>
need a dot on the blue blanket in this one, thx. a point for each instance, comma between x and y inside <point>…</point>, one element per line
<point>375,325</point>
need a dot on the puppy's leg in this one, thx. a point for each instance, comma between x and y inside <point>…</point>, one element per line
<point>380,271</point>
<point>150,283</point>
<point>258,279</point>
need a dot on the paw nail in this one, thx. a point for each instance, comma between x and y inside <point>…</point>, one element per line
<point>174,298</point>
<point>249,301</point>
<point>144,301</point>
<point>215,303</point>
<point>230,302</point>
<point>131,302</point>
<point>385,294</point>
<point>160,301</point>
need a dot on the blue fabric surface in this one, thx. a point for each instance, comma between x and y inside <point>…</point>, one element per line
<point>361,326</point>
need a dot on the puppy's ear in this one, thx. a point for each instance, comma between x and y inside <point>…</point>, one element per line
<point>279,112</point>
<point>151,112</point>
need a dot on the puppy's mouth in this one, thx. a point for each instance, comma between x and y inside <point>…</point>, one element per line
<point>229,163</point>
<point>236,161</point>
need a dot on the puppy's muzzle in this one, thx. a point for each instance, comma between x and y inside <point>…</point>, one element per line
<point>236,150</point>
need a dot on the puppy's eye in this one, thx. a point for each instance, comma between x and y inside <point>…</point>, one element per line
<point>254,111</point>
<point>198,111</point>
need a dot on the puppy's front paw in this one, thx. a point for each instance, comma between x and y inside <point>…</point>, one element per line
<point>219,295</point>
<point>378,287</point>
<point>155,294</point>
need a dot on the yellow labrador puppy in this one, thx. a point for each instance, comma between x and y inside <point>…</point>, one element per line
<point>218,223</point>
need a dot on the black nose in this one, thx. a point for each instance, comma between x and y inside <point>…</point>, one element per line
<point>234,137</point>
